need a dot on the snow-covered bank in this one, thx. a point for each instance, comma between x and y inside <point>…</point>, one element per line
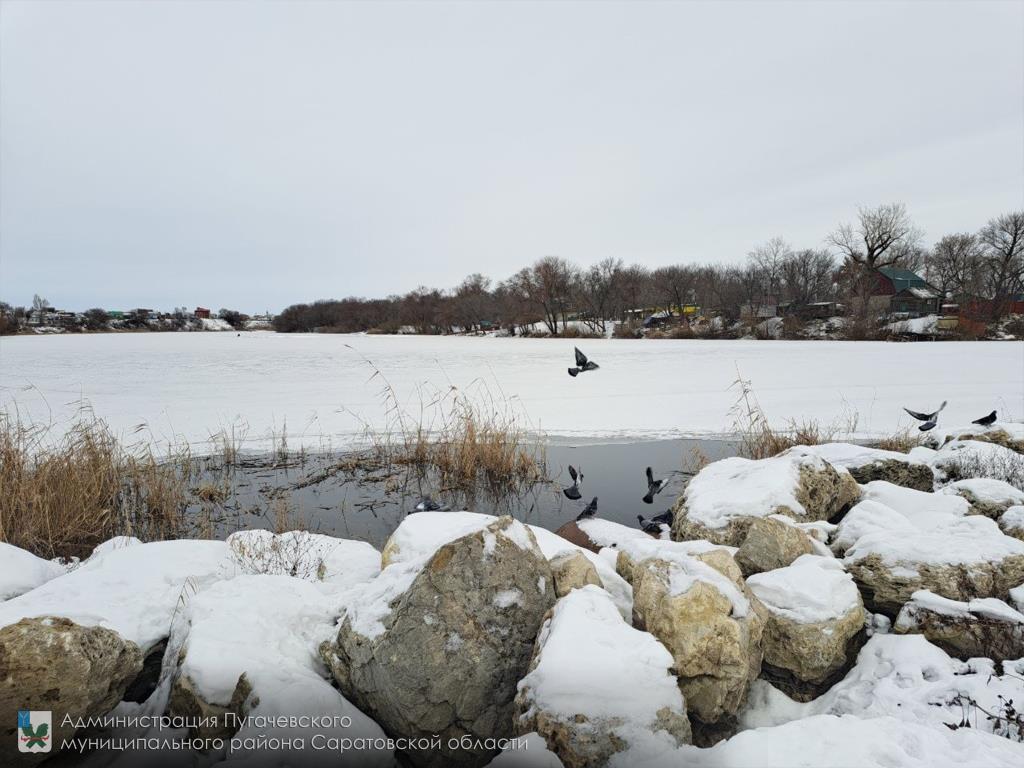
<point>318,389</point>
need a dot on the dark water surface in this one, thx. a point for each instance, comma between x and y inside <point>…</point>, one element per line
<point>368,504</point>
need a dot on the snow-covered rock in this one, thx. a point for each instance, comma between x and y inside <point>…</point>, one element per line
<point>867,464</point>
<point>630,553</point>
<point>710,624</point>
<point>986,496</point>
<point>770,544</point>
<point>898,541</point>
<point>599,690</point>
<point>814,614</point>
<point>1011,522</point>
<point>1006,433</point>
<point>311,556</point>
<point>981,627</point>
<point>133,590</point>
<point>51,663</point>
<point>435,646</point>
<point>726,496</point>
<point>21,571</point>
<point>572,570</point>
<point>265,631</point>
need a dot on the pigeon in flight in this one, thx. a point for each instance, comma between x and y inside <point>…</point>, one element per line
<point>573,491</point>
<point>653,487</point>
<point>427,504</point>
<point>653,526</point>
<point>929,419</point>
<point>582,364</point>
<point>588,511</point>
<point>986,421</point>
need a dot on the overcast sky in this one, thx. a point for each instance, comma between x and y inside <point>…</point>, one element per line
<point>252,155</point>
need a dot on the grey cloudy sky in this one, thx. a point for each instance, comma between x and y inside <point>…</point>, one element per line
<point>252,155</point>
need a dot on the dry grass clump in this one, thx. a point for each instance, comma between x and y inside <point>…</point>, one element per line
<point>901,442</point>
<point>61,498</point>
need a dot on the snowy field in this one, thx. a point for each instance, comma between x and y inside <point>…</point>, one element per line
<point>187,386</point>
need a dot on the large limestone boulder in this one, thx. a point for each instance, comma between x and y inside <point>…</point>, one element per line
<point>984,627</point>
<point>599,688</point>
<point>815,615</point>
<point>434,647</point>
<point>52,663</point>
<point>722,501</point>
<point>986,496</point>
<point>898,541</point>
<point>770,544</point>
<point>700,611</point>
<point>1007,434</point>
<point>868,464</point>
<point>571,570</point>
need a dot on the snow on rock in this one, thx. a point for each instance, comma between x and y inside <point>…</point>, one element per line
<point>979,627</point>
<point>133,590</point>
<point>1017,597</point>
<point>814,611</point>
<point>598,689</point>
<point>967,459</point>
<point>110,545</point>
<point>605,533</point>
<point>986,496</point>
<point>1006,433</point>
<point>897,541</point>
<point>867,464</point>
<point>724,498</point>
<point>21,571</point>
<point>903,677</point>
<point>309,556</point>
<point>1012,522</point>
<point>267,628</point>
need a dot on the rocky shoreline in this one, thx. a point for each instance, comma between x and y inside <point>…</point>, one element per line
<point>834,603</point>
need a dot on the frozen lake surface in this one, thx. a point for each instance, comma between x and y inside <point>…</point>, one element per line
<point>187,386</point>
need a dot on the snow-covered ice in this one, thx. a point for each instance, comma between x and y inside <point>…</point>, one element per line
<point>188,386</point>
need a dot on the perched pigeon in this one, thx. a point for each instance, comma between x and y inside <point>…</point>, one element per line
<point>427,504</point>
<point>654,525</point>
<point>986,421</point>
<point>588,511</point>
<point>573,491</point>
<point>653,487</point>
<point>582,364</point>
<point>929,419</point>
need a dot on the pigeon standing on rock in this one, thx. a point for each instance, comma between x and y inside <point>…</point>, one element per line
<point>582,364</point>
<point>654,525</point>
<point>427,504</point>
<point>986,421</point>
<point>929,419</point>
<point>588,511</point>
<point>653,487</point>
<point>573,491</point>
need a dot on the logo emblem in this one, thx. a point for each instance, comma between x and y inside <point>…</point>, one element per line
<point>34,730</point>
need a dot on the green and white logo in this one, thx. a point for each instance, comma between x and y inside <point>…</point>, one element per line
<point>34,730</point>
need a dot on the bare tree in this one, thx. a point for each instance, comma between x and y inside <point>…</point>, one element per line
<point>547,286</point>
<point>770,259</point>
<point>955,265</point>
<point>808,276</point>
<point>39,304</point>
<point>674,286</point>
<point>635,288</point>
<point>597,290</point>
<point>1003,240</point>
<point>472,302</point>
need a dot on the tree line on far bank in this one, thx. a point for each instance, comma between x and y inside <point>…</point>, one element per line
<point>985,267</point>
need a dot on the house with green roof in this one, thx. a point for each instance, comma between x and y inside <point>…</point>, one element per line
<point>904,293</point>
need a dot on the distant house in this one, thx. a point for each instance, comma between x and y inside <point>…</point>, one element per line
<point>902,293</point>
<point>202,313</point>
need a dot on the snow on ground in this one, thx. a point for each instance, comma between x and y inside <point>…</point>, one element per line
<point>738,487</point>
<point>626,672</point>
<point>132,590</point>
<point>811,589</point>
<point>918,326</point>
<point>21,571</point>
<point>987,490</point>
<point>902,676</point>
<point>188,386</point>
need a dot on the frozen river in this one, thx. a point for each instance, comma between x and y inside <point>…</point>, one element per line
<point>187,386</point>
